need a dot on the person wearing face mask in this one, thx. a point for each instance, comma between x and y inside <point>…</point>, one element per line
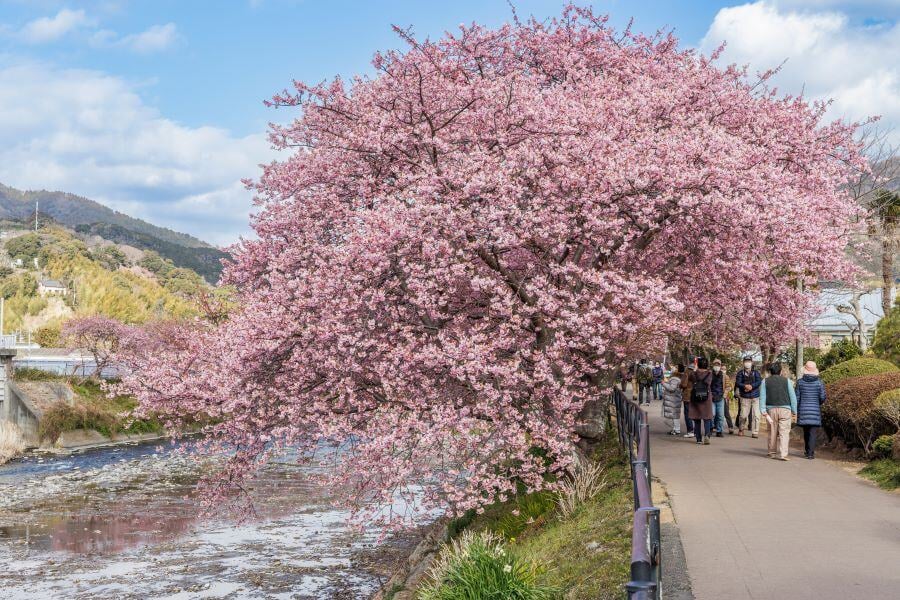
<point>746,383</point>
<point>717,389</point>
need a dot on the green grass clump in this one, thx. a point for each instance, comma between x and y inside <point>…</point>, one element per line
<point>856,367</point>
<point>477,565</point>
<point>884,472</point>
<point>587,555</point>
<point>91,408</point>
<point>30,374</point>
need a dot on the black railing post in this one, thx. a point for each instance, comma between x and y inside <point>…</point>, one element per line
<point>646,551</point>
<point>640,590</point>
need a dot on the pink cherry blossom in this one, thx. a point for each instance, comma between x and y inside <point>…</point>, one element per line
<point>456,251</point>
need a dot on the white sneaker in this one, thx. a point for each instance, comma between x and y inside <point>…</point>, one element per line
<point>688,435</point>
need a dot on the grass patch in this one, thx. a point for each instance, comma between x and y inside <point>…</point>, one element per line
<point>92,409</point>
<point>885,472</point>
<point>30,374</point>
<point>588,555</point>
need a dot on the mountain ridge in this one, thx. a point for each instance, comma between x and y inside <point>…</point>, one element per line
<point>93,218</point>
<point>71,209</point>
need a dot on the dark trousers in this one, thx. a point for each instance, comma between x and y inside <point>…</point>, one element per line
<point>728,414</point>
<point>702,427</point>
<point>809,439</point>
<point>645,389</point>
<point>688,424</point>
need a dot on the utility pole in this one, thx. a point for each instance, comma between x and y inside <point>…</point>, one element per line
<point>35,216</point>
<point>2,307</point>
<point>798,366</point>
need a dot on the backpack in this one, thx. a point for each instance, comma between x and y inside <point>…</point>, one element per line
<point>701,390</point>
<point>645,374</point>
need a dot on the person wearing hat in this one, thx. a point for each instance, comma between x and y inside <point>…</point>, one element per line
<point>810,397</point>
<point>746,384</point>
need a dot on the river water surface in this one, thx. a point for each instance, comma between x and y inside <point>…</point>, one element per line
<point>121,522</point>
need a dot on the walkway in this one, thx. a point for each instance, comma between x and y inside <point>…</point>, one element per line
<point>758,528</point>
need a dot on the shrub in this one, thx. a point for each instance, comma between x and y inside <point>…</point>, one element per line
<point>856,367</point>
<point>11,442</point>
<point>47,337</point>
<point>66,417</point>
<point>886,344</point>
<point>888,406</point>
<point>883,446</point>
<point>476,565</point>
<point>587,481</point>
<point>839,352</point>
<point>885,472</point>
<point>850,411</point>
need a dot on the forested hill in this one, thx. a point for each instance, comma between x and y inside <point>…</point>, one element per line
<point>206,261</point>
<point>88,216</point>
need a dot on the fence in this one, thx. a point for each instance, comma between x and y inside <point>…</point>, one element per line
<point>646,565</point>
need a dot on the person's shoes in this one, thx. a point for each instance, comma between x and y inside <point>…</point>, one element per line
<point>699,443</point>
<point>731,432</point>
<point>740,433</point>
<point>755,435</point>
<point>687,435</point>
<point>673,432</point>
<point>706,440</point>
<point>810,456</point>
<point>783,458</point>
<point>720,434</point>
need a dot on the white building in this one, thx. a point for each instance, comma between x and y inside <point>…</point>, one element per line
<point>52,287</point>
<point>833,325</point>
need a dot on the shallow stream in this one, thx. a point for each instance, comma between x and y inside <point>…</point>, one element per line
<point>122,522</point>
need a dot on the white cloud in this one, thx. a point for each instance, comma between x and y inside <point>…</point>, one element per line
<point>828,56</point>
<point>154,39</point>
<point>48,29</point>
<point>90,133</point>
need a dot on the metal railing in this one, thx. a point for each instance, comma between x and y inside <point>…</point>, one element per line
<point>646,563</point>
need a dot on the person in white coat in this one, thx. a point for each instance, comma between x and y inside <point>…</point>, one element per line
<point>672,402</point>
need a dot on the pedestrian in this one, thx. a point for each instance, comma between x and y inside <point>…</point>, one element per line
<point>729,395</point>
<point>810,397</point>
<point>717,389</point>
<point>778,403</point>
<point>645,381</point>
<point>685,377</point>
<point>746,384</point>
<point>624,376</point>
<point>700,408</point>
<point>658,376</point>
<point>671,401</point>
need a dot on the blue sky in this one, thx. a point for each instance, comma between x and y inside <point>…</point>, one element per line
<point>155,108</point>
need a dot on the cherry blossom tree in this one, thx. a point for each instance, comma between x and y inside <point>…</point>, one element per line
<point>97,334</point>
<point>456,251</point>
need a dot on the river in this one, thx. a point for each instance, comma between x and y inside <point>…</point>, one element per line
<point>122,522</point>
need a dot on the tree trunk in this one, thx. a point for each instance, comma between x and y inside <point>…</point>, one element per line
<point>887,270</point>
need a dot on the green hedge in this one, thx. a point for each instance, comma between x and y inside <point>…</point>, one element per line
<point>857,367</point>
<point>850,411</point>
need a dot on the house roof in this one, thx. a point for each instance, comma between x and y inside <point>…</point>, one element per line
<point>830,320</point>
<point>51,283</point>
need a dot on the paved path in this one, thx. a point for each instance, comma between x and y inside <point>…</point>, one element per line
<point>754,527</point>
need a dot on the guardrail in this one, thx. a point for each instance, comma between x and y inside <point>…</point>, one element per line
<point>646,564</point>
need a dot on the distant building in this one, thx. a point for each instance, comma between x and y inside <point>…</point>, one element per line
<point>52,287</point>
<point>833,326</point>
